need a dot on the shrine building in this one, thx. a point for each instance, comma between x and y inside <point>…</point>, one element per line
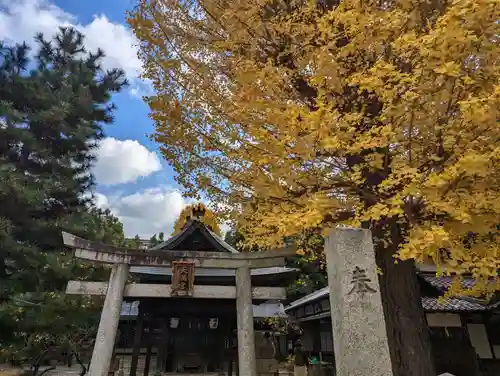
<point>464,331</point>
<point>192,302</point>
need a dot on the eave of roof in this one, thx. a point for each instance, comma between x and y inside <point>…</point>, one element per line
<point>169,241</point>
<point>222,242</point>
<point>430,304</point>
<point>318,294</point>
<point>167,271</point>
<point>433,304</point>
<point>185,232</point>
<point>262,310</point>
<point>445,282</point>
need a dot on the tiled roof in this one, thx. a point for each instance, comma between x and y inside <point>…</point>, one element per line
<point>222,242</point>
<point>444,282</point>
<point>452,304</point>
<point>157,270</point>
<point>318,294</point>
<point>168,241</point>
<point>430,304</point>
<point>187,230</point>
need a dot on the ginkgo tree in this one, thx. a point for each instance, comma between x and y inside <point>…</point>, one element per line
<point>208,218</point>
<point>303,114</point>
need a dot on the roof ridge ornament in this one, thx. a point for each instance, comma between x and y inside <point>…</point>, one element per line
<point>198,212</point>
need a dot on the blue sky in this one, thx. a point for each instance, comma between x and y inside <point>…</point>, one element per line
<point>132,179</point>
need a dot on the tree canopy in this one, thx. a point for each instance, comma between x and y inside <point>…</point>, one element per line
<point>310,114</point>
<point>52,110</point>
<point>309,259</point>
<point>53,105</point>
<point>208,218</point>
<point>297,115</point>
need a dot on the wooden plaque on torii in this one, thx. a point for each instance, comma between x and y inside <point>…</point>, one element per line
<point>182,278</point>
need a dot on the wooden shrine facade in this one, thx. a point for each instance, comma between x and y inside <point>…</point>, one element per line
<point>180,336</point>
<point>464,331</point>
<point>196,298</point>
<point>159,337</point>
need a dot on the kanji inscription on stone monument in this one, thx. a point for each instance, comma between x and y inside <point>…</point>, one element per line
<point>182,278</point>
<point>359,332</point>
<point>360,282</point>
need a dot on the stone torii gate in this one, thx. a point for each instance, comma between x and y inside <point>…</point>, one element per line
<point>116,289</point>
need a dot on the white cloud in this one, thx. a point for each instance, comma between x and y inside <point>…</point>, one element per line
<point>225,227</point>
<point>141,89</point>
<point>123,161</point>
<point>101,201</point>
<point>147,212</point>
<point>135,92</point>
<point>20,20</point>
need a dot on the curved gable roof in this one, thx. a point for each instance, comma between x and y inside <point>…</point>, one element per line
<point>193,233</point>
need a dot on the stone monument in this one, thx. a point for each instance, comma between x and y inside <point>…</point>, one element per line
<point>359,330</point>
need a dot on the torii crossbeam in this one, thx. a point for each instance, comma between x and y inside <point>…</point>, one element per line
<point>121,259</point>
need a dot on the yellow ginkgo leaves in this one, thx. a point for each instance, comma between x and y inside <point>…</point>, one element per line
<point>294,116</point>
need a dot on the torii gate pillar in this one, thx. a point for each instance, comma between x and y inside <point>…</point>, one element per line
<point>122,259</point>
<point>110,316</point>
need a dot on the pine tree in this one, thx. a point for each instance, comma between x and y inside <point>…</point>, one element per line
<point>236,239</point>
<point>133,243</point>
<point>52,110</point>
<point>153,240</point>
<point>33,321</point>
<point>53,106</point>
<point>309,259</point>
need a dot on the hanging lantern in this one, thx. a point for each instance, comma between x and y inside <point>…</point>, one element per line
<point>174,322</point>
<point>213,323</point>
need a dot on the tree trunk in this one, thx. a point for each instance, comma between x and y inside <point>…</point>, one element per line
<point>3,279</point>
<point>447,344</point>
<point>407,331</point>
